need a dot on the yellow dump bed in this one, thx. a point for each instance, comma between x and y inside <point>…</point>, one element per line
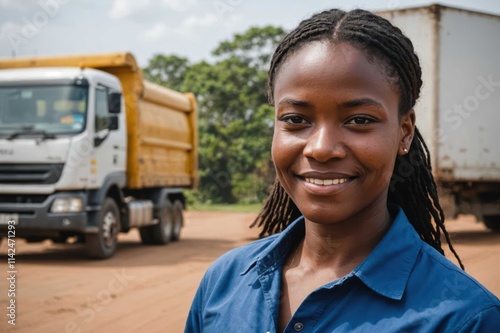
<point>161,123</point>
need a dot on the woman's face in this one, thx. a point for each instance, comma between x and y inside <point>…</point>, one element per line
<point>337,132</point>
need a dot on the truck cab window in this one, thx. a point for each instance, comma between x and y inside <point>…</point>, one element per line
<point>48,108</point>
<point>101,110</point>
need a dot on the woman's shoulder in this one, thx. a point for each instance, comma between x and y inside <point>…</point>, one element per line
<point>447,287</point>
<point>440,295</point>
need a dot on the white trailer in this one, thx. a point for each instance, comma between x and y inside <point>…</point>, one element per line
<point>459,109</point>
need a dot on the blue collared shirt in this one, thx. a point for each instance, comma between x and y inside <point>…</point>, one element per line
<point>403,286</point>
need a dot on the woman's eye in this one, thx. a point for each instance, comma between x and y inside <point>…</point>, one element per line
<point>293,120</point>
<point>361,120</point>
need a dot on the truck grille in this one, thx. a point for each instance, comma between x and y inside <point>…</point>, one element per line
<point>23,198</point>
<point>30,173</point>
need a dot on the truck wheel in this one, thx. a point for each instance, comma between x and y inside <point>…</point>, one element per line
<point>102,245</point>
<point>492,222</point>
<point>178,220</point>
<point>161,233</point>
<point>35,239</point>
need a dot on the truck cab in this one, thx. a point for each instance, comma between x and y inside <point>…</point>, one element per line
<point>55,124</point>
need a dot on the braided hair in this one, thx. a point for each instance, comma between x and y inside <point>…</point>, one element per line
<point>412,185</point>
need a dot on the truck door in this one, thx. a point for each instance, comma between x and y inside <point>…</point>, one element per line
<point>109,143</point>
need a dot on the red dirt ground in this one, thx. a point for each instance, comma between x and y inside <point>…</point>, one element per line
<point>148,288</point>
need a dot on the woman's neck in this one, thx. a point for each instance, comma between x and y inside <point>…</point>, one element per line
<point>342,246</point>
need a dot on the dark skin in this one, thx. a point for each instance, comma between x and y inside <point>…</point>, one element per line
<point>337,135</point>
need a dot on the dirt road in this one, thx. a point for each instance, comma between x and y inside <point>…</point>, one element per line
<point>149,289</point>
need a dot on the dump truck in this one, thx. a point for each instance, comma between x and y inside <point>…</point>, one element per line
<point>458,112</point>
<point>89,149</point>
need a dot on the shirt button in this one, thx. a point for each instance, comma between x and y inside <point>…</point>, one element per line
<point>298,327</point>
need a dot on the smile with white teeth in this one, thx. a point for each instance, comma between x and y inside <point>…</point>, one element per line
<point>326,182</point>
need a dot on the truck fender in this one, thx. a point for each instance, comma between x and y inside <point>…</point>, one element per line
<point>112,184</point>
<point>159,195</point>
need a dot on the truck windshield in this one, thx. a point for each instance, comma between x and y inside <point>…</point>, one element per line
<point>50,110</point>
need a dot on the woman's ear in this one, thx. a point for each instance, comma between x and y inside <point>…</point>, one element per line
<point>407,125</point>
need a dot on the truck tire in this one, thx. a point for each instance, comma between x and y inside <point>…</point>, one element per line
<point>492,222</point>
<point>35,239</point>
<point>178,220</point>
<point>161,233</point>
<point>102,245</point>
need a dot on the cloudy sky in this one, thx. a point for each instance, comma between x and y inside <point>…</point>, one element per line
<point>190,28</point>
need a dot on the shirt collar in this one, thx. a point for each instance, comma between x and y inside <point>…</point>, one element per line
<point>386,270</point>
<point>279,247</point>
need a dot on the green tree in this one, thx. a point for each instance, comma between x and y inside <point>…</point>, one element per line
<point>166,70</point>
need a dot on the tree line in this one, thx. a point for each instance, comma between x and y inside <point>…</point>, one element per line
<point>235,121</point>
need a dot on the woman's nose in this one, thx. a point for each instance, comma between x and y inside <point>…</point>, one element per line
<point>324,144</point>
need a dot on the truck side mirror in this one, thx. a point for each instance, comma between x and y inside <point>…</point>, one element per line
<point>113,122</point>
<point>115,102</point>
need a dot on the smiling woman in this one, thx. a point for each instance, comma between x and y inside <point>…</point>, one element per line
<point>354,252</point>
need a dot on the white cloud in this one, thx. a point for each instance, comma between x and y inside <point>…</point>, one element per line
<point>24,7</point>
<point>11,37</point>
<point>5,3</point>
<point>186,28</point>
<point>179,5</point>
<point>9,26</point>
<point>123,8</point>
<point>157,32</point>
<point>234,20</point>
<point>12,4</point>
<point>195,21</point>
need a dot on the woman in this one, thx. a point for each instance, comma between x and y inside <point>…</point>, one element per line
<point>358,253</point>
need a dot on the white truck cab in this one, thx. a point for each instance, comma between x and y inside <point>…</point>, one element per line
<point>57,139</point>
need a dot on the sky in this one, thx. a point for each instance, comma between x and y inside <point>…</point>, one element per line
<point>188,28</point>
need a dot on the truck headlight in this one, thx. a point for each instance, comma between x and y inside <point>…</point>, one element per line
<point>66,205</point>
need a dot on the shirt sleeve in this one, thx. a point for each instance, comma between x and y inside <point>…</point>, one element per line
<point>486,321</point>
<point>194,322</point>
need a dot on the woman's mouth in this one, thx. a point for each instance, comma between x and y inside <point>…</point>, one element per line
<point>326,182</point>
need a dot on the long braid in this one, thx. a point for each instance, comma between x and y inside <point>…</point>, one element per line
<point>423,190</point>
<point>412,186</point>
<point>277,213</point>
